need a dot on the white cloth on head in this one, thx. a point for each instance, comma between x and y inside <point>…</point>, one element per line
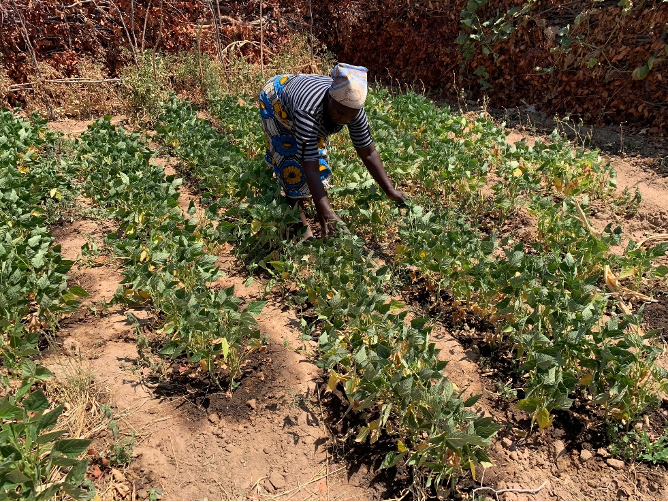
<point>349,85</point>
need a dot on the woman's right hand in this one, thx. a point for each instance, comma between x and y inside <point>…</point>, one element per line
<point>330,223</point>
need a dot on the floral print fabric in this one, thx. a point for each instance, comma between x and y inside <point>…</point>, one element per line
<point>282,150</point>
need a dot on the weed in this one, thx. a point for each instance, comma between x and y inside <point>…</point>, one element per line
<point>154,494</point>
<point>90,253</point>
<point>637,445</point>
<point>627,203</point>
<point>506,390</point>
<point>146,85</point>
<point>120,451</point>
<point>568,127</point>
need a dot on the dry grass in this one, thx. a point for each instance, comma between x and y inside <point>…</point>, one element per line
<point>75,387</point>
<point>4,87</point>
<point>196,76</point>
<point>58,100</point>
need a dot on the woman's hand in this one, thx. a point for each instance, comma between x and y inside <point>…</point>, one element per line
<point>397,195</point>
<point>374,165</point>
<point>330,223</point>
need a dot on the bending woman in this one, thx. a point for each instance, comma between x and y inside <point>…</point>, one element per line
<point>298,113</point>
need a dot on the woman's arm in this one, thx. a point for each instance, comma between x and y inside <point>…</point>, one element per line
<point>326,214</point>
<point>374,165</point>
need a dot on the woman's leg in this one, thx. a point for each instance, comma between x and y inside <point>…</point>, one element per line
<point>292,202</point>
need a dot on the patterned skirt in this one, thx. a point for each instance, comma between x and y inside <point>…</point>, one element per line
<point>282,154</point>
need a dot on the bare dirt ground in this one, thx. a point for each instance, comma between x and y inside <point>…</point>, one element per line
<point>270,439</point>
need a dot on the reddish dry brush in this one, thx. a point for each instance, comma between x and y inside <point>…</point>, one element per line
<point>601,61</point>
<point>587,52</point>
<point>60,31</point>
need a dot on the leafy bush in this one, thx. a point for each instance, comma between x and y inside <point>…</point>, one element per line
<point>35,463</point>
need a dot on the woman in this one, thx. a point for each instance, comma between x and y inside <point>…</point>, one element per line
<point>298,113</point>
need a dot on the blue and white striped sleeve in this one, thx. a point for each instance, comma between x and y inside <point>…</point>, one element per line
<point>360,133</point>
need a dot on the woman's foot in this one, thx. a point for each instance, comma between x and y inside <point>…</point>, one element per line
<point>308,235</point>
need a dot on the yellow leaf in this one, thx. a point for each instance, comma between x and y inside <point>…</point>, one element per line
<point>144,294</point>
<point>610,279</point>
<point>364,432</point>
<point>543,418</point>
<point>256,225</point>
<point>143,256</point>
<point>226,347</point>
<point>586,379</point>
<point>627,272</point>
<point>619,414</point>
<point>517,172</point>
<point>558,183</point>
<point>519,432</point>
<point>423,445</point>
<point>401,447</point>
<point>472,467</point>
<point>285,275</point>
<point>334,379</point>
<point>422,254</point>
<point>375,431</point>
<point>203,364</point>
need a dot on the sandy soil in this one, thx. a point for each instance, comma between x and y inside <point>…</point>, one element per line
<point>270,439</point>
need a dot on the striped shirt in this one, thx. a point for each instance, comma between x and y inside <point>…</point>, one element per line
<point>303,99</point>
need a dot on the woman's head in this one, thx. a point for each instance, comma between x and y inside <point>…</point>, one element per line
<point>349,86</point>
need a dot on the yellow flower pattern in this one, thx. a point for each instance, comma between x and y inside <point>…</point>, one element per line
<point>292,175</point>
<point>280,113</point>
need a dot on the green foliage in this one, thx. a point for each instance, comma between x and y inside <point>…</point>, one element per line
<point>637,445</point>
<point>33,295</point>
<point>384,364</point>
<point>32,451</point>
<point>166,264</point>
<point>547,297</point>
<point>478,35</point>
<point>33,290</point>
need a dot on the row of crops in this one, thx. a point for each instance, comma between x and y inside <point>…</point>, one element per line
<point>555,301</point>
<point>558,303</point>
<point>37,461</point>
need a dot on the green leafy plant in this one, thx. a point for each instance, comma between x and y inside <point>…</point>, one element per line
<point>33,272</point>
<point>36,463</point>
<point>637,445</point>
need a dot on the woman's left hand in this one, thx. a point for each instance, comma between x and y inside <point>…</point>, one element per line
<point>397,195</point>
